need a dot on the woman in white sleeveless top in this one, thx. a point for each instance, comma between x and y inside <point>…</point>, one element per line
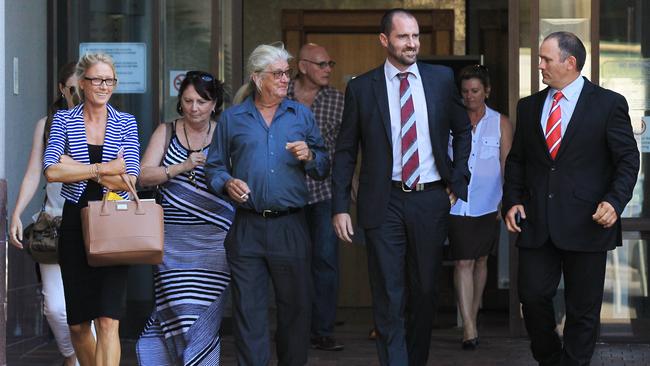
<point>52,289</point>
<point>474,224</point>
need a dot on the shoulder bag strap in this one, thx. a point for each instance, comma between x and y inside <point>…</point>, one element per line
<point>170,128</point>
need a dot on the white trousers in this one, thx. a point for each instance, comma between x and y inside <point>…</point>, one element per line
<point>54,308</point>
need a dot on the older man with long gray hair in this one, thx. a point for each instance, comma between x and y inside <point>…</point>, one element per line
<point>262,149</point>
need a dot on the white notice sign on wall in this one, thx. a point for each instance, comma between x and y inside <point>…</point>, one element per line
<point>130,64</point>
<point>175,79</point>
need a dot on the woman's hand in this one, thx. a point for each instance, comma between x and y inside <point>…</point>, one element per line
<point>193,160</point>
<point>16,232</point>
<point>116,166</point>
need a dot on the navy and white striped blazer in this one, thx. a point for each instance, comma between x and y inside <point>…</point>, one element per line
<point>68,136</point>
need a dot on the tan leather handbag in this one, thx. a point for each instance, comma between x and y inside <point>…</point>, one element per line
<point>123,232</point>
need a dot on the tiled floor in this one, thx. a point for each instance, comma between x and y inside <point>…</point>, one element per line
<point>496,348</point>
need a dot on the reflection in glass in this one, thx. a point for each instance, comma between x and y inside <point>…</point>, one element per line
<point>625,68</point>
<point>225,50</point>
<point>567,15</point>
<point>186,46</point>
<point>625,298</point>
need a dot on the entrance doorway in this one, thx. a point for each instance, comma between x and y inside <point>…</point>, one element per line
<point>351,39</point>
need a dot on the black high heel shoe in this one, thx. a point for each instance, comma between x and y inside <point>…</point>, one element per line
<point>470,344</point>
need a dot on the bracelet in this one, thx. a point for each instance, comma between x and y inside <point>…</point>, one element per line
<point>167,172</point>
<point>97,175</point>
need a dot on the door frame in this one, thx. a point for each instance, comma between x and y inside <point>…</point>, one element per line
<point>297,23</point>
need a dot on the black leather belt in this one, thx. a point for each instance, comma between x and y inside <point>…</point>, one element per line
<point>270,214</point>
<point>418,187</point>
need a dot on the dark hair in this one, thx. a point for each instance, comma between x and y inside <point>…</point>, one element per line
<point>206,85</point>
<point>479,72</point>
<point>570,45</point>
<point>59,103</point>
<point>386,25</point>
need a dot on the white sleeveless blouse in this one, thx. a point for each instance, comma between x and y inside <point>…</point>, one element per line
<point>486,185</point>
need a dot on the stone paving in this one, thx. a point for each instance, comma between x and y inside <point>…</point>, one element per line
<point>496,348</point>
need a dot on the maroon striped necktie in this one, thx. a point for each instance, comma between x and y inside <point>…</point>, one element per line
<point>554,126</point>
<point>409,134</point>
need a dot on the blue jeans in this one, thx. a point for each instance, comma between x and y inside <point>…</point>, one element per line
<point>324,267</point>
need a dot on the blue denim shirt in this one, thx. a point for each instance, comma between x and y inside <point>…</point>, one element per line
<point>244,147</point>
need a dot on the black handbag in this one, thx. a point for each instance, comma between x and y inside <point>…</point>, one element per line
<point>41,238</point>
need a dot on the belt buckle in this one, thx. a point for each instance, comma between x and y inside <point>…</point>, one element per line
<point>405,188</point>
<point>266,212</point>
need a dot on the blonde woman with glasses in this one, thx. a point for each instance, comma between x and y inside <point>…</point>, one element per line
<point>89,148</point>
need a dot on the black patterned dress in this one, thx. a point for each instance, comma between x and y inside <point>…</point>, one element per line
<point>188,285</point>
<point>90,292</point>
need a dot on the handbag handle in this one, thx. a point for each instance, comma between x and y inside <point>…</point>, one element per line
<point>131,189</point>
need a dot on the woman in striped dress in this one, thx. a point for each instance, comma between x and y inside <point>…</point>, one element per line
<point>189,284</point>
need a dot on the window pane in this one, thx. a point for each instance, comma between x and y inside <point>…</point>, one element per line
<point>625,68</point>
<point>186,46</point>
<point>567,15</point>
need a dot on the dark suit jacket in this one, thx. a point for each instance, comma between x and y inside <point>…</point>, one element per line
<point>366,124</point>
<point>598,161</point>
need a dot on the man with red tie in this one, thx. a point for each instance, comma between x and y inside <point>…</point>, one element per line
<point>400,115</point>
<point>570,172</point>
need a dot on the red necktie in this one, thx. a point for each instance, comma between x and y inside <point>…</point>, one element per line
<point>409,134</point>
<point>554,126</point>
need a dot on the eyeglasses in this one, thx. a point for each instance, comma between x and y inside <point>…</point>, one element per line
<point>71,89</point>
<point>322,64</point>
<point>99,81</point>
<point>199,74</point>
<point>278,74</point>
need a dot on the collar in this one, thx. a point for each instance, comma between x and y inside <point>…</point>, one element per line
<point>78,110</point>
<point>248,105</point>
<point>572,91</point>
<point>392,71</point>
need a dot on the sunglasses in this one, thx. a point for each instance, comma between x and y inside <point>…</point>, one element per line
<point>323,64</point>
<point>199,75</point>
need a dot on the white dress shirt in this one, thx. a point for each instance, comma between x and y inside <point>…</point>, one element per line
<point>568,102</point>
<point>427,169</point>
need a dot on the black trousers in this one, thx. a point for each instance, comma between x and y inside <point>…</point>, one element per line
<point>404,255</point>
<point>278,249</point>
<point>539,275</point>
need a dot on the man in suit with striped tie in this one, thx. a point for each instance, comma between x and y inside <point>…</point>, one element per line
<point>401,115</point>
<point>570,173</point>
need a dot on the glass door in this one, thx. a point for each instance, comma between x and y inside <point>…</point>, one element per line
<point>617,40</point>
<point>624,64</point>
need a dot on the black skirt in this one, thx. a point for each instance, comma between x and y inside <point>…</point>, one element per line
<point>90,292</point>
<point>472,237</point>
